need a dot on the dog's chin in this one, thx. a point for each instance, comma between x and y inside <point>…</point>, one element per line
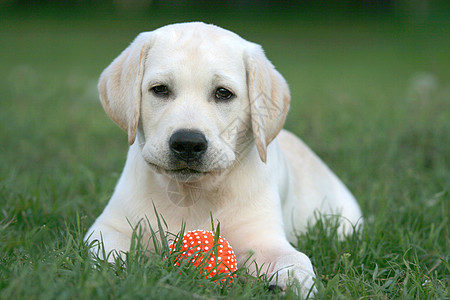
<point>185,175</point>
<point>181,175</point>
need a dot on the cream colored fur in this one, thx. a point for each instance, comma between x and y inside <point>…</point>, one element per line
<point>263,184</point>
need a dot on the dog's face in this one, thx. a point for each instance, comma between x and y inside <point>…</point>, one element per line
<point>197,97</point>
<point>193,88</point>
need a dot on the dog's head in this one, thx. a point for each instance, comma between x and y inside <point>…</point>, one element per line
<point>197,97</point>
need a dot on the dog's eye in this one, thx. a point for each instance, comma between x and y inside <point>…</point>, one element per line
<point>160,90</point>
<point>223,94</point>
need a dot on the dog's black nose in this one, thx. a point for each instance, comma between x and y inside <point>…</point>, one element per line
<point>188,145</point>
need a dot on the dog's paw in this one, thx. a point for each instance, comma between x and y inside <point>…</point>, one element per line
<point>294,271</point>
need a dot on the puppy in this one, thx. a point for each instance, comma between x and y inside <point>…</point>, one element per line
<point>204,111</point>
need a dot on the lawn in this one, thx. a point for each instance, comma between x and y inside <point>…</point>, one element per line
<point>371,97</point>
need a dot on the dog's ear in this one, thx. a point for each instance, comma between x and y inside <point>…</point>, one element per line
<point>269,98</point>
<point>121,82</point>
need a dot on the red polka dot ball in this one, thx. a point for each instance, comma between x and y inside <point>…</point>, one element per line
<point>198,248</point>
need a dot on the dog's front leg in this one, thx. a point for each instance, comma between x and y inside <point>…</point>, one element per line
<point>259,241</point>
<point>293,269</point>
<point>106,242</point>
<point>284,265</point>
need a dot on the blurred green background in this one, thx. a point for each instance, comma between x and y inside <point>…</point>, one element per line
<point>370,85</point>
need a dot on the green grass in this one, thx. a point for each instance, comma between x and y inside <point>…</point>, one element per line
<point>370,97</point>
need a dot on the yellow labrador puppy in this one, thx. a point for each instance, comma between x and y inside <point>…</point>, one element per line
<point>204,111</point>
